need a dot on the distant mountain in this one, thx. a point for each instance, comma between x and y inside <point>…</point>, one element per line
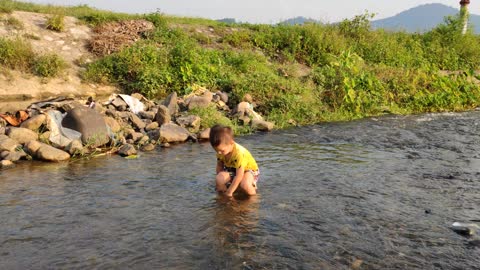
<point>299,20</point>
<point>422,18</point>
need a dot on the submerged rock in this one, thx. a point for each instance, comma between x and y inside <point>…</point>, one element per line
<point>21,135</point>
<point>35,122</point>
<point>127,150</point>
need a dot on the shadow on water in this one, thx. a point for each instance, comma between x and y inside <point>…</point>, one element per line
<point>382,192</point>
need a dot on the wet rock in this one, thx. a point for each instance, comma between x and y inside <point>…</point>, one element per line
<point>147,115</point>
<point>154,135</point>
<point>135,136</point>
<point>465,229</point>
<point>32,147</point>
<point>75,147</point>
<point>173,133</point>
<point>223,96</point>
<point>190,122</point>
<point>127,150</point>
<point>113,124</point>
<point>13,156</point>
<point>171,103</point>
<point>7,143</point>
<point>120,104</point>
<point>136,121</point>
<point>204,135</point>
<point>163,115</point>
<point>152,126</point>
<point>90,124</point>
<point>6,164</point>
<point>262,125</point>
<point>21,135</point>
<point>148,147</point>
<point>50,153</point>
<point>35,122</point>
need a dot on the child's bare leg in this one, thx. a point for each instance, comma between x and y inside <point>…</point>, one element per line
<point>247,184</point>
<point>221,181</point>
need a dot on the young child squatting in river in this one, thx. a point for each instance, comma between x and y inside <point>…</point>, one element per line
<point>236,167</point>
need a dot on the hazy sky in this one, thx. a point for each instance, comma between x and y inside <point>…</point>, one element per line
<point>262,11</point>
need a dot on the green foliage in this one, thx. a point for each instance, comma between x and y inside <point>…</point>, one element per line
<point>49,65</point>
<point>16,54</point>
<point>6,6</point>
<point>56,23</point>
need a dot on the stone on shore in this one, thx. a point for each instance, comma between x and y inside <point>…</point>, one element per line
<point>173,133</point>
<point>148,147</point>
<point>134,136</point>
<point>21,135</point>
<point>202,101</point>
<point>223,96</point>
<point>32,147</point>
<point>204,135</point>
<point>35,122</point>
<point>147,115</point>
<point>171,103</point>
<point>152,126</point>
<point>6,164</point>
<point>163,115</point>
<point>113,124</point>
<point>13,156</point>
<point>120,104</point>
<point>127,150</point>
<point>262,125</point>
<point>89,123</point>
<point>75,147</point>
<point>50,153</point>
<point>8,144</point>
<point>136,121</point>
<point>190,122</point>
<point>154,134</point>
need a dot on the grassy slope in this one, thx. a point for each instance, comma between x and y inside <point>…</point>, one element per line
<point>307,73</point>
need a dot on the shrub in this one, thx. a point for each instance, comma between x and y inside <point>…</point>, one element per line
<point>56,23</point>
<point>16,54</point>
<point>6,6</point>
<point>49,65</point>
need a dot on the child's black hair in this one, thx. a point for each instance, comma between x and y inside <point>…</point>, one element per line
<point>220,134</point>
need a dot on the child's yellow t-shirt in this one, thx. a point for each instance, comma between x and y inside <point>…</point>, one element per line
<point>240,157</point>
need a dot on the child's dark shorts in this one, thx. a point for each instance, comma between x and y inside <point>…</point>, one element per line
<point>233,171</point>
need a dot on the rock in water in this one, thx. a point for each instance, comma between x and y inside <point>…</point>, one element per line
<point>262,125</point>
<point>35,122</point>
<point>148,147</point>
<point>32,147</point>
<point>6,164</point>
<point>163,115</point>
<point>204,135</point>
<point>7,143</point>
<point>136,121</point>
<point>75,147</point>
<point>90,123</point>
<point>127,150</point>
<point>171,103</point>
<point>21,135</point>
<point>50,153</point>
<point>190,122</point>
<point>172,133</point>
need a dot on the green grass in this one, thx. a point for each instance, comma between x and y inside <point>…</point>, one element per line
<point>16,54</point>
<point>49,65</point>
<point>56,23</point>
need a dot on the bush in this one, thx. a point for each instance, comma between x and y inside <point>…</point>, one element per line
<point>6,6</point>
<point>56,23</point>
<point>16,54</point>
<point>49,65</point>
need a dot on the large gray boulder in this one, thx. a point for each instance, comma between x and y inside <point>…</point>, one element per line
<point>21,135</point>
<point>50,153</point>
<point>7,144</point>
<point>163,115</point>
<point>171,103</point>
<point>35,122</point>
<point>173,133</point>
<point>90,124</point>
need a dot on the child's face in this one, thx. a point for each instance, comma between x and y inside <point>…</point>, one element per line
<point>224,148</point>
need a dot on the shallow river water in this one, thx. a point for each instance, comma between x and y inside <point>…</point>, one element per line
<point>380,192</point>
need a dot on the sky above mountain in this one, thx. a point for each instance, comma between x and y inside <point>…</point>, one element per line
<point>262,11</point>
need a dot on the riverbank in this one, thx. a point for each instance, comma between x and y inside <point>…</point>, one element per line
<point>62,128</point>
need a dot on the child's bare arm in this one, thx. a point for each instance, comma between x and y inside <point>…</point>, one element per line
<point>219,166</point>
<point>236,181</point>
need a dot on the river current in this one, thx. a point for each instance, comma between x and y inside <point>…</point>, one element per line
<point>378,193</point>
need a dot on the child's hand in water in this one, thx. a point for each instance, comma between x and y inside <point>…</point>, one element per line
<point>228,193</point>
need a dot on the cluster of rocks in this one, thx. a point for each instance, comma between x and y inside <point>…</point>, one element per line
<point>61,128</point>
